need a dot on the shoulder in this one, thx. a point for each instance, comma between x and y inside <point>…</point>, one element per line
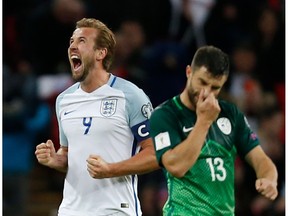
<point>165,109</point>
<point>69,90</point>
<point>126,86</point>
<point>228,107</point>
<point>132,93</point>
<point>232,112</point>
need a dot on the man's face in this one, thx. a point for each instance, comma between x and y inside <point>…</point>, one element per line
<point>81,52</point>
<point>202,79</point>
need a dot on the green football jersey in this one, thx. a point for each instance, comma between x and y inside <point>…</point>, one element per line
<point>208,187</point>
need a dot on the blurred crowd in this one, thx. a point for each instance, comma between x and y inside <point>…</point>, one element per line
<point>155,42</point>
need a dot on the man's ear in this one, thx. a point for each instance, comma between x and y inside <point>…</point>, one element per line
<point>101,53</point>
<point>188,71</point>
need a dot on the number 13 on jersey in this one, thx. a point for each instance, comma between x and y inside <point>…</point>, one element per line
<point>216,165</point>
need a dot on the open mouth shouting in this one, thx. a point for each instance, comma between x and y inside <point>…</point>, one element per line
<point>76,63</point>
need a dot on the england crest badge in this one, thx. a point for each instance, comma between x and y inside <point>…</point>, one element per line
<point>108,107</point>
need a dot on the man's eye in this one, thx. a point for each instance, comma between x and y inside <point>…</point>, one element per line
<point>215,88</point>
<point>202,82</point>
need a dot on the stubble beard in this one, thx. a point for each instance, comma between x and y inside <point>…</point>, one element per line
<point>193,95</point>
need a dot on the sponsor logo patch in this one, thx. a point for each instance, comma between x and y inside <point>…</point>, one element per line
<point>224,125</point>
<point>162,140</point>
<point>253,136</point>
<point>146,110</point>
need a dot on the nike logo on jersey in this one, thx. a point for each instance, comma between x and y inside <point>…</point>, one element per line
<point>68,112</point>
<point>185,130</point>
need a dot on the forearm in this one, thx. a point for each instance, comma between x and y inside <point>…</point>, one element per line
<point>59,163</point>
<point>180,159</point>
<point>267,169</point>
<point>60,160</point>
<point>266,172</point>
<point>141,163</point>
<point>262,164</point>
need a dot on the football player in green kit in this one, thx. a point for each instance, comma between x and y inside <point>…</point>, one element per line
<point>197,137</point>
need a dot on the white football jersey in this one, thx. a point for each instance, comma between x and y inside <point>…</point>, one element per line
<point>108,122</point>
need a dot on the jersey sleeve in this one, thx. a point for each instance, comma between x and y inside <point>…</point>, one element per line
<point>62,138</point>
<point>164,132</point>
<point>246,139</point>
<point>139,109</point>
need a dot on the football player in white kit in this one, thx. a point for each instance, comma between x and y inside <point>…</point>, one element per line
<point>104,131</point>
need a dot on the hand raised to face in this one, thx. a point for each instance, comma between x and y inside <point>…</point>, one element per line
<point>207,108</point>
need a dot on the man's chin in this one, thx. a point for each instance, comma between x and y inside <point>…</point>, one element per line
<point>77,77</point>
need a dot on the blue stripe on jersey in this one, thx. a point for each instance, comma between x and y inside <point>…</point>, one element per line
<point>134,147</point>
<point>113,81</point>
<point>133,176</point>
<point>135,197</point>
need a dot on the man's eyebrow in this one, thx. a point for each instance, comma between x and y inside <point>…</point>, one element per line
<point>203,80</point>
<point>205,83</point>
<point>81,37</point>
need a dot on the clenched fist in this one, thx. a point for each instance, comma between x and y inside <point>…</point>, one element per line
<point>45,153</point>
<point>97,167</point>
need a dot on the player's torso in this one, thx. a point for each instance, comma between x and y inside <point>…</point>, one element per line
<point>93,122</point>
<point>222,131</point>
<point>209,184</point>
<point>96,123</point>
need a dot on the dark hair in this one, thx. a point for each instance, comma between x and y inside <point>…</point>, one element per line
<point>105,38</point>
<point>213,58</point>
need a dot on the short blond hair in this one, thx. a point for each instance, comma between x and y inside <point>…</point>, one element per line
<point>105,38</point>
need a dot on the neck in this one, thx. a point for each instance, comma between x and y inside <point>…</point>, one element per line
<point>95,81</point>
<point>186,100</point>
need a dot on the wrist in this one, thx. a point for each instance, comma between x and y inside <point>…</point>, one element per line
<point>204,125</point>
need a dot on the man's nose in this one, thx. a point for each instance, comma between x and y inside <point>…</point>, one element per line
<point>206,90</point>
<point>72,45</point>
